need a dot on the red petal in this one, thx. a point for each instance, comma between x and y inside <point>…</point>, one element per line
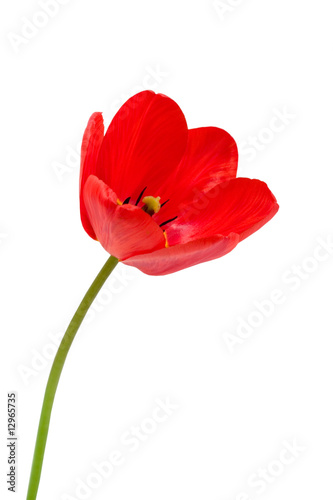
<point>170,260</point>
<point>239,206</point>
<point>123,230</point>
<point>143,145</point>
<point>210,158</point>
<point>91,143</point>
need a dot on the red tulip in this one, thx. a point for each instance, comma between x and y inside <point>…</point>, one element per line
<point>161,197</point>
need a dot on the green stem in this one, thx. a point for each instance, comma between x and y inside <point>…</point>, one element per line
<point>55,373</point>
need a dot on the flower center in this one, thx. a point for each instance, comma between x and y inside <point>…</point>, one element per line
<point>151,205</point>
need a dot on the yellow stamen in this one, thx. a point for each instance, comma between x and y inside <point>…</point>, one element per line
<point>166,239</point>
<point>119,202</point>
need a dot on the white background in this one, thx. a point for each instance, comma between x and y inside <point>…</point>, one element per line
<point>166,337</point>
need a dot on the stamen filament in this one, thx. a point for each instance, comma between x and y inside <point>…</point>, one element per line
<point>140,196</point>
<point>167,221</point>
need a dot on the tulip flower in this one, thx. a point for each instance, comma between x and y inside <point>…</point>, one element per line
<point>160,197</point>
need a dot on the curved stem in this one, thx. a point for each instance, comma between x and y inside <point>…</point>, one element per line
<point>55,373</point>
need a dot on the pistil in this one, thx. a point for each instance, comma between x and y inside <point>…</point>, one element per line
<point>151,205</point>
